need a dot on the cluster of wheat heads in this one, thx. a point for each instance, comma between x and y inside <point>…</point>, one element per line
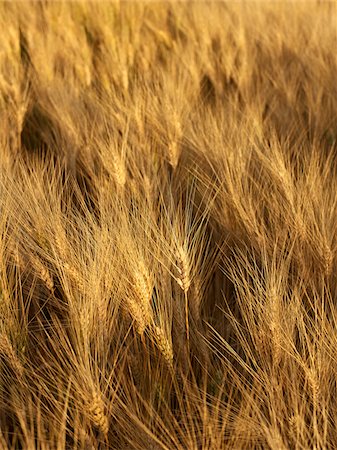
<point>168,209</point>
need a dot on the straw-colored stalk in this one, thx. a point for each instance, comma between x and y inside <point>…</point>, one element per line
<point>327,260</point>
<point>86,440</point>
<point>197,294</point>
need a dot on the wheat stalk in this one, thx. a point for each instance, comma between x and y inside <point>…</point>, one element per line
<point>276,335</point>
<point>197,295</point>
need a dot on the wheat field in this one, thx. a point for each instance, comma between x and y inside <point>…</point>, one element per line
<point>168,227</point>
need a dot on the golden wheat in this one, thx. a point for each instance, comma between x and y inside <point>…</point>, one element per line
<point>168,181</point>
<point>43,273</point>
<point>164,346</point>
<point>97,415</point>
<point>6,349</point>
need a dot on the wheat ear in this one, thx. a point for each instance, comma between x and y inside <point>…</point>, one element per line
<point>173,153</point>
<point>119,171</point>
<point>184,280</point>
<point>17,257</point>
<point>97,414</point>
<point>140,303</point>
<point>313,380</point>
<point>85,322</point>
<point>163,344</point>
<point>7,350</point>
<point>44,274</point>
<point>75,276</point>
